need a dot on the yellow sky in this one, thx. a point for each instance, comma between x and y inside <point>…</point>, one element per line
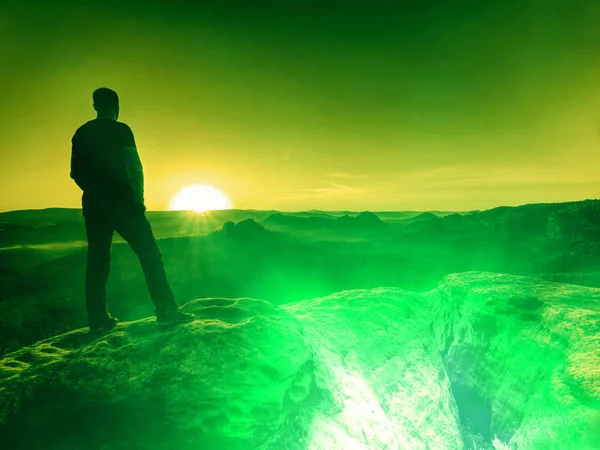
<point>295,112</point>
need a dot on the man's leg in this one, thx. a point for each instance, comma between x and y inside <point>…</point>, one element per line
<point>134,227</point>
<point>99,232</point>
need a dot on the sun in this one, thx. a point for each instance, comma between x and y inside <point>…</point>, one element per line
<point>199,198</point>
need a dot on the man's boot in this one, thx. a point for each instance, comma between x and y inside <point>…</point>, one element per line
<point>107,324</point>
<point>173,317</point>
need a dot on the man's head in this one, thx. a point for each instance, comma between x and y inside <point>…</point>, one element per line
<point>106,103</point>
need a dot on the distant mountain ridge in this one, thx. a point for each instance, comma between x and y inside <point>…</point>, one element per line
<point>59,225</point>
<point>248,229</point>
<point>279,219</point>
<point>58,215</point>
<point>365,220</point>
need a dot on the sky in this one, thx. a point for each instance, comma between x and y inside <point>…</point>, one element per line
<point>299,105</point>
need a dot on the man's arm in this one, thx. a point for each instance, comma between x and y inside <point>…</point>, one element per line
<point>78,165</point>
<point>133,168</point>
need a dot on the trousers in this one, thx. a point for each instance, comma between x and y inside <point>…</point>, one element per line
<point>131,224</point>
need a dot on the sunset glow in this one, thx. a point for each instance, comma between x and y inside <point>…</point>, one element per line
<point>199,198</point>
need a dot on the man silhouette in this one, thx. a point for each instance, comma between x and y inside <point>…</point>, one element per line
<point>106,166</point>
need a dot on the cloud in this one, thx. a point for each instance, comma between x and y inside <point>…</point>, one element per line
<point>336,191</point>
<point>343,175</point>
<point>478,177</point>
<point>339,186</point>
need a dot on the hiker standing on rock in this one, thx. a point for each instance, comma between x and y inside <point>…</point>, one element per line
<point>106,166</point>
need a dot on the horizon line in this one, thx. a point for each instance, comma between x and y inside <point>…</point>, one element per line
<point>323,210</point>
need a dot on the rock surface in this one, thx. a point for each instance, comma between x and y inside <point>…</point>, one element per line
<point>523,357</point>
<point>484,360</point>
<point>223,381</point>
<point>376,355</point>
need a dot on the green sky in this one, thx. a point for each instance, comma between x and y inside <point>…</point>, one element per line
<point>450,105</point>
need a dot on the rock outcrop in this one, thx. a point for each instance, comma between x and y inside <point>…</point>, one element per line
<point>523,357</point>
<point>234,378</point>
<point>485,360</point>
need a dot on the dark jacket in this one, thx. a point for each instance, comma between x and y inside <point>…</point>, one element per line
<point>106,166</point>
